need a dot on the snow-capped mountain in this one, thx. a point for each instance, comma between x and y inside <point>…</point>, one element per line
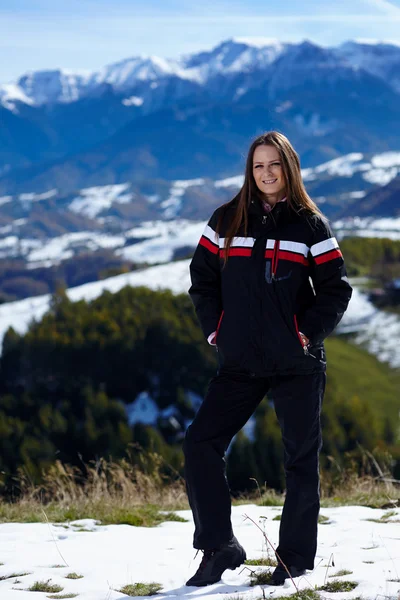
<point>237,55</point>
<point>379,59</point>
<point>76,130</point>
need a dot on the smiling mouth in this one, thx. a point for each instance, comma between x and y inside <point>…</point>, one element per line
<point>270,181</point>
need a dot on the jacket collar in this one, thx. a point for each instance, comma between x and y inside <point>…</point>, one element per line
<point>278,210</point>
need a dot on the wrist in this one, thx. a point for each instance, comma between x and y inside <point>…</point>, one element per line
<point>304,339</point>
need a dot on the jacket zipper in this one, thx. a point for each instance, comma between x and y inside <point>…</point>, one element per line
<point>274,265</point>
<point>305,348</point>
<point>218,326</point>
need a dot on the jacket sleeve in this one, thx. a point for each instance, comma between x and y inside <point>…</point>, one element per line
<point>205,275</point>
<point>331,286</point>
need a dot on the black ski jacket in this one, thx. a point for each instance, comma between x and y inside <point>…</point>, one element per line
<point>286,276</point>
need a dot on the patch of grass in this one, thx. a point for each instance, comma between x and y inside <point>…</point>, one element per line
<point>386,518</point>
<point>73,576</point>
<point>45,586</point>
<point>341,573</point>
<point>323,520</point>
<point>264,497</point>
<point>141,589</point>
<point>261,562</point>
<point>108,513</point>
<point>338,586</point>
<point>261,578</point>
<point>83,530</point>
<point>57,567</point>
<point>63,596</point>
<point>4,577</point>
<point>301,595</point>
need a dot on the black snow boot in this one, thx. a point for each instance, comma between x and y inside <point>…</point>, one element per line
<point>280,574</point>
<point>229,555</point>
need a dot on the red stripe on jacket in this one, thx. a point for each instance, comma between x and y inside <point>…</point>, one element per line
<point>323,258</point>
<point>236,252</point>
<point>209,245</point>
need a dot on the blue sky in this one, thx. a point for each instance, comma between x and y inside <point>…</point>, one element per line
<point>87,34</point>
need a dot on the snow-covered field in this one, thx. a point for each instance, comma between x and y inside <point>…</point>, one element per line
<point>112,556</point>
<point>156,240</point>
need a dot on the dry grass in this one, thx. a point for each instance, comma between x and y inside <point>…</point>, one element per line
<point>147,493</point>
<point>45,586</point>
<point>141,589</point>
<point>111,492</point>
<point>4,577</point>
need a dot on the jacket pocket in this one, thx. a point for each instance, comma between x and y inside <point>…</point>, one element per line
<point>298,333</point>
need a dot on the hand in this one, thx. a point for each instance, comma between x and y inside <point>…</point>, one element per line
<point>304,339</point>
<point>211,338</point>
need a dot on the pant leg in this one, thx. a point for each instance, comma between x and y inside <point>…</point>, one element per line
<point>230,401</point>
<point>298,401</point>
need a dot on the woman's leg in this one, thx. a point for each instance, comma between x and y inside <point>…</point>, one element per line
<point>298,401</point>
<point>230,401</point>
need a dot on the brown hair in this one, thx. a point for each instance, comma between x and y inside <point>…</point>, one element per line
<point>296,195</point>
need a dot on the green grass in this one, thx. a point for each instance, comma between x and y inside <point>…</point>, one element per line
<point>386,518</point>
<point>57,566</point>
<point>148,515</point>
<point>73,576</point>
<point>338,586</point>
<point>261,578</point>
<point>341,573</point>
<point>348,365</point>
<point>261,562</point>
<point>323,520</point>
<point>301,595</point>
<point>141,589</point>
<point>62,596</point>
<point>45,586</point>
<point>267,497</point>
<point>4,577</point>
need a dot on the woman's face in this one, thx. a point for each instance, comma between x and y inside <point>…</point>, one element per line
<point>268,172</point>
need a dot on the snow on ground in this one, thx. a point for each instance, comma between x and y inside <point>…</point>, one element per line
<point>380,169</point>
<point>112,556</point>
<point>94,200</point>
<point>368,227</point>
<point>163,239</point>
<point>173,204</point>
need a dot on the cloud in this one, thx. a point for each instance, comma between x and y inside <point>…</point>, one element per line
<point>388,8</point>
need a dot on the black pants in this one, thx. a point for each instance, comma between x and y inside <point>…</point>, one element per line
<point>230,401</point>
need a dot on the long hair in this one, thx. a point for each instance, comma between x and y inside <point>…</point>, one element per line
<point>296,195</point>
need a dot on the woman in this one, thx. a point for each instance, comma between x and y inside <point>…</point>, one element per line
<point>252,293</point>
